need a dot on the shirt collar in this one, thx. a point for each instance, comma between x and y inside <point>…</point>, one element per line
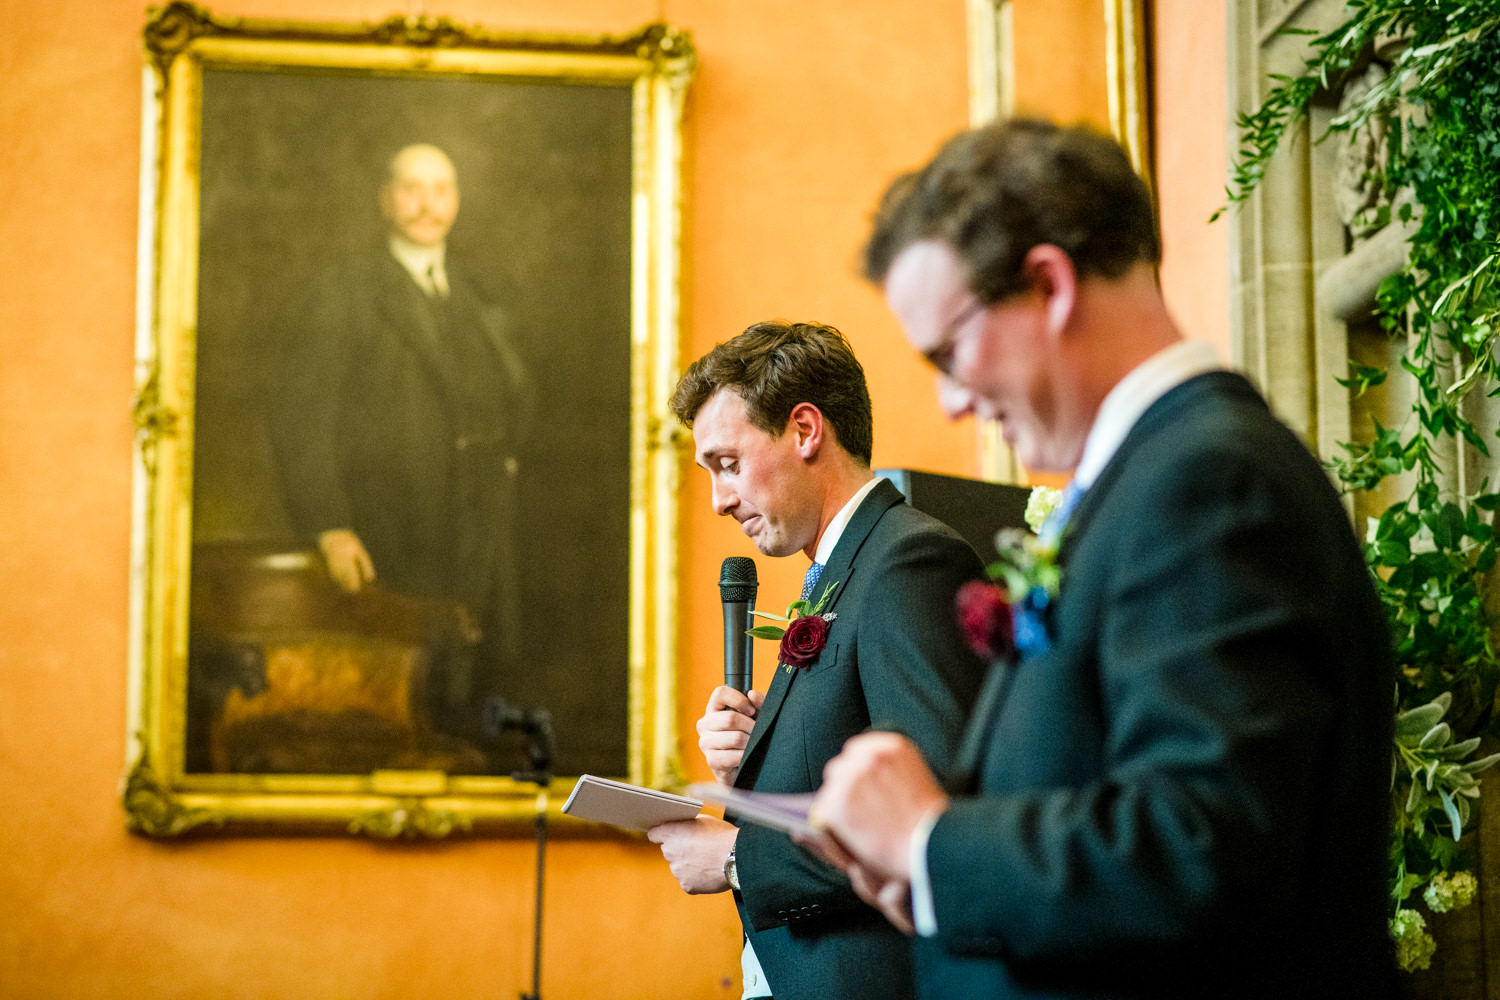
<point>835,529</point>
<point>417,259</point>
<point>1133,395</point>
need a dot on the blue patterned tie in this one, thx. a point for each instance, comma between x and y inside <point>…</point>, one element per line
<point>811,580</point>
<point>1052,528</point>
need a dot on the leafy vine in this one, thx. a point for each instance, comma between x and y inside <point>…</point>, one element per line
<point>1432,552</point>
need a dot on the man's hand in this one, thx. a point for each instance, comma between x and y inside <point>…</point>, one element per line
<point>696,850</point>
<point>348,562</point>
<point>874,794</point>
<point>724,730</point>
<point>892,897</point>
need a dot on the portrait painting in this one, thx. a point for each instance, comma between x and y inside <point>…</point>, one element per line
<point>395,514</point>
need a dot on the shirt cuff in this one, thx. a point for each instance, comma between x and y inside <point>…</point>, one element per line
<point>923,910</point>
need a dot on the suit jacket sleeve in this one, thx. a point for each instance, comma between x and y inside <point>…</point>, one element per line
<point>319,346</point>
<point>1214,624</point>
<point>913,674</point>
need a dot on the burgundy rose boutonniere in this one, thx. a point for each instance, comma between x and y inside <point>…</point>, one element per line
<point>805,634</point>
<point>985,616</point>
<point>803,640</point>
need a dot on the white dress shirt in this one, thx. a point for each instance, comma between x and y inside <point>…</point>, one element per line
<point>426,265</point>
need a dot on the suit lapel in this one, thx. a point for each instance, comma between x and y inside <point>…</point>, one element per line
<point>781,681</point>
<point>405,310</point>
<point>833,582</point>
<point>981,723</point>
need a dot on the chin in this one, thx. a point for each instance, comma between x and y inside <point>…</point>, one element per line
<point>774,548</point>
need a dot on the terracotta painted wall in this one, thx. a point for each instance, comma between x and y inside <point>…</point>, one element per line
<point>1191,98</point>
<point>1059,48</point>
<point>801,111</point>
<point>795,124</point>
<point>1060,72</point>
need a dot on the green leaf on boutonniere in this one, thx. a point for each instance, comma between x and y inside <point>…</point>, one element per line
<point>794,610</point>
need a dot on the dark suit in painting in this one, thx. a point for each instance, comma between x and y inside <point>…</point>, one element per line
<point>894,660</point>
<point>1146,808</point>
<point>400,415</point>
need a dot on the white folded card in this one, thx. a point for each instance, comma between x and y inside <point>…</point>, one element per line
<point>603,800</point>
<point>785,812</point>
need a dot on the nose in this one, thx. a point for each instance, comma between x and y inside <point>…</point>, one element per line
<point>724,499</point>
<point>956,401</point>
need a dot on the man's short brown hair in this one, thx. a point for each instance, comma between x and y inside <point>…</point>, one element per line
<point>775,365</point>
<point>995,192</point>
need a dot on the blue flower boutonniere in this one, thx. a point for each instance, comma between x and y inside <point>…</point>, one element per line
<point>805,634</point>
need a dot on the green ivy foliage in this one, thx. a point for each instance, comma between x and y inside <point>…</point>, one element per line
<point>1431,553</point>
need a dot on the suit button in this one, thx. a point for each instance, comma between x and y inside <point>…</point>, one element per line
<point>781,915</point>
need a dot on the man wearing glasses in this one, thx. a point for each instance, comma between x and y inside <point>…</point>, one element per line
<point>1184,790</point>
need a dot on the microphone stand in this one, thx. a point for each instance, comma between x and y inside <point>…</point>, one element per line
<point>536,724</point>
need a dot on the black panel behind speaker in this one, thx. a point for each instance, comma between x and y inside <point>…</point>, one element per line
<point>974,508</point>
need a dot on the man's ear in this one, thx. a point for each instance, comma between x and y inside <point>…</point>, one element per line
<point>806,424</point>
<point>1050,273</point>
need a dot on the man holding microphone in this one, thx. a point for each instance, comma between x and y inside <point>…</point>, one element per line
<point>781,422</point>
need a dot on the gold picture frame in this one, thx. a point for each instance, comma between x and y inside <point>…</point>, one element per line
<point>264,694</point>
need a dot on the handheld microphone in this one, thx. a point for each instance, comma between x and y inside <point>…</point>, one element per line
<point>737,586</point>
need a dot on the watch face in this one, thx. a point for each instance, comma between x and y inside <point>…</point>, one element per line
<point>731,872</point>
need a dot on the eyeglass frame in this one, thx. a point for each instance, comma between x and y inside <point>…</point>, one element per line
<point>940,355</point>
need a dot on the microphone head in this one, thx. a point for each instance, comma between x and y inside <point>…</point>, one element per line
<point>737,581</point>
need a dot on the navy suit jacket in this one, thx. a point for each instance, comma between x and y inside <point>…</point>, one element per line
<point>1187,794</point>
<point>895,660</point>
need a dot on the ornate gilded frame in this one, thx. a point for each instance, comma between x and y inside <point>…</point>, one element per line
<point>161,797</point>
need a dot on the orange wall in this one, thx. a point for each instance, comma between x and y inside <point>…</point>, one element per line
<point>1059,48</point>
<point>796,120</point>
<point>1060,71</point>
<point>801,111</point>
<point>1191,99</point>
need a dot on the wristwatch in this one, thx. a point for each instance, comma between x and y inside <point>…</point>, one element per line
<point>731,872</point>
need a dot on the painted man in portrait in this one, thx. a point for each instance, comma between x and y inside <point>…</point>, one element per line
<point>396,421</point>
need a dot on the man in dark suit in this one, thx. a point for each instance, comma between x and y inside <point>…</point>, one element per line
<point>782,424</point>
<point>397,420</point>
<point>1184,791</point>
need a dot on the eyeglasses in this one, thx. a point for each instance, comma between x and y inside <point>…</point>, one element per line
<point>940,355</point>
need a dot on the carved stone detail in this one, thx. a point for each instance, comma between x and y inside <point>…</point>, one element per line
<point>1359,183</point>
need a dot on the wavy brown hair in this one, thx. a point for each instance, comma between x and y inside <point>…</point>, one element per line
<point>775,365</point>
